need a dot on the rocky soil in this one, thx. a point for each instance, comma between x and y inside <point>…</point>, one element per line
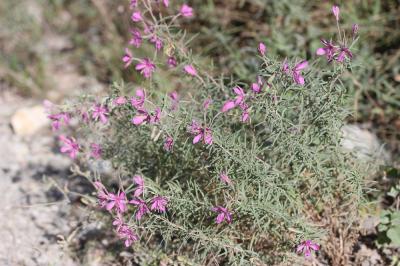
<point>34,215</point>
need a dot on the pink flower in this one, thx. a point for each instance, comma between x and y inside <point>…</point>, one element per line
<point>70,146</point>
<point>127,58</point>
<point>232,103</point>
<point>95,150</point>
<point>171,62</point>
<point>175,100</point>
<point>138,101</point>
<point>336,12</point>
<point>102,194</point>
<point>297,77</point>
<point>206,103</point>
<point>200,133</point>
<point>58,120</point>
<point>84,116</point>
<point>146,67</point>
<point>117,201</point>
<point>133,3</point>
<point>328,50</point>
<point>120,100</point>
<point>168,144</point>
<point>155,117</point>
<point>186,11</point>
<point>355,29</point>
<point>159,204</point>
<point>190,70</point>
<point>142,207</point>
<point>223,214</point>
<point>148,29</point>
<point>228,105</point>
<point>138,180</point>
<point>306,247</point>
<point>158,44</point>
<point>136,39</point>
<point>245,111</point>
<point>136,16</point>
<point>141,118</point>
<point>166,3</point>
<point>239,94</point>
<point>256,87</point>
<point>343,54</point>
<point>125,232</point>
<point>225,178</point>
<point>100,112</point>
<point>262,48</point>
<point>285,66</point>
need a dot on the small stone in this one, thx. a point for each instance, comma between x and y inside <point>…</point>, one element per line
<point>363,144</point>
<point>29,120</point>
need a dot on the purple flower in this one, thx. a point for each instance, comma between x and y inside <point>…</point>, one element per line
<point>225,178</point>
<point>133,3</point>
<point>343,54</point>
<point>223,214</point>
<point>138,101</point>
<point>171,62</point>
<point>200,133</point>
<point>158,44</point>
<point>228,105</point>
<point>155,117</point>
<point>136,39</point>
<point>120,100</point>
<point>100,112</point>
<point>159,204</point>
<point>84,116</point>
<point>95,150</point>
<point>355,29</point>
<point>146,67</point>
<point>58,120</point>
<point>306,247</point>
<point>256,87</point>
<point>142,207</point>
<point>127,58</point>
<point>141,117</point>
<point>232,103</point>
<point>245,111</point>
<point>328,50</point>
<point>168,144</point>
<point>336,12</point>
<point>138,180</point>
<point>166,3</point>
<point>102,194</point>
<point>190,70</point>
<point>262,48</point>
<point>206,103</point>
<point>125,232</point>
<point>174,96</point>
<point>297,77</point>
<point>186,11</point>
<point>117,201</point>
<point>136,16</point>
<point>285,66</point>
<point>70,146</point>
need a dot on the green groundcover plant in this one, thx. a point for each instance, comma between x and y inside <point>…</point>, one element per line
<point>217,170</point>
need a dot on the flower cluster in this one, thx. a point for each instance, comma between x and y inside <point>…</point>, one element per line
<point>143,114</point>
<point>118,204</point>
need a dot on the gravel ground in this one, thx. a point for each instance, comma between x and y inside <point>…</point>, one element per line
<point>32,214</point>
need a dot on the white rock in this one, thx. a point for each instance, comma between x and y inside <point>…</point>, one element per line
<point>363,144</point>
<point>29,120</point>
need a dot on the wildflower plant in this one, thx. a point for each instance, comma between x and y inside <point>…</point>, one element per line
<point>219,171</point>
